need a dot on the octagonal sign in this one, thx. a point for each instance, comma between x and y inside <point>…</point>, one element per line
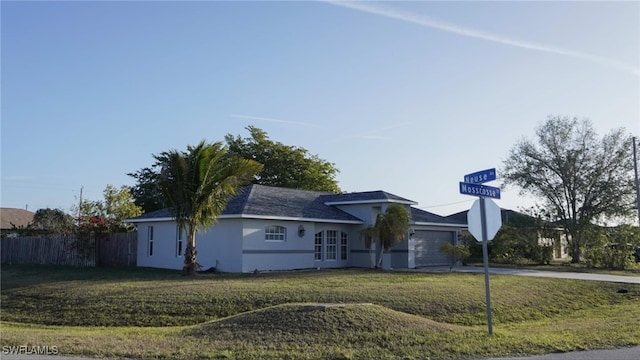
<point>493,219</point>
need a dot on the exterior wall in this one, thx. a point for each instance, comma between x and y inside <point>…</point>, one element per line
<point>259,254</point>
<point>239,245</point>
<point>364,212</point>
<point>221,246</point>
<point>164,246</point>
<point>400,254</point>
<point>359,255</point>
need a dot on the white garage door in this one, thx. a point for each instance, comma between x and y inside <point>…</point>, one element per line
<point>428,247</point>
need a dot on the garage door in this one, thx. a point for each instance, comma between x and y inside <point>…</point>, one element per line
<point>428,244</point>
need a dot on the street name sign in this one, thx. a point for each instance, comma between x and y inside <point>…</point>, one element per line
<point>467,188</point>
<point>480,177</point>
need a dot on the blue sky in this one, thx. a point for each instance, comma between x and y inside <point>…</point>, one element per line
<point>405,97</point>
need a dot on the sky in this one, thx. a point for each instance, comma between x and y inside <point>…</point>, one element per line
<point>405,97</point>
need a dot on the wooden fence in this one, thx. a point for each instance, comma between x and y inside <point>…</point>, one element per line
<point>112,250</point>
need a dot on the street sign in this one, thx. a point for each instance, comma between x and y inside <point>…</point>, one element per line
<point>480,177</point>
<point>493,218</point>
<point>479,190</point>
<point>484,220</point>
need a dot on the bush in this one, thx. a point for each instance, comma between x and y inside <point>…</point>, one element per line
<point>456,252</point>
<point>615,248</point>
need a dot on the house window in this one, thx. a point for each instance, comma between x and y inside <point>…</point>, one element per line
<point>318,246</point>
<point>332,245</point>
<point>179,242</point>
<point>150,241</point>
<point>275,233</point>
<point>344,245</point>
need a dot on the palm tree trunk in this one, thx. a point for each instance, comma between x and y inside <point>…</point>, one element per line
<point>191,266</point>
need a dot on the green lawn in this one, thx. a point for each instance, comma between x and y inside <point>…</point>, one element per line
<point>148,313</point>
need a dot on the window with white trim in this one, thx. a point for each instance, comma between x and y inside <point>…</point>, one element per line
<point>150,241</point>
<point>344,245</point>
<point>275,233</point>
<point>332,244</point>
<point>318,246</point>
<point>179,242</point>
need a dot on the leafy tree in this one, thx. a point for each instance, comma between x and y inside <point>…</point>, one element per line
<point>110,213</point>
<point>52,222</point>
<point>198,184</point>
<point>390,227</point>
<point>146,192</point>
<point>284,165</point>
<point>578,177</point>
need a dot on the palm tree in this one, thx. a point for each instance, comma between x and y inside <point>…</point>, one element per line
<point>197,185</point>
<point>390,228</point>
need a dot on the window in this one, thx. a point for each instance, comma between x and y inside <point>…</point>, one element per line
<point>275,233</point>
<point>332,245</point>
<point>344,245</point>
<point>179,242</point>
<point>318,246</point>
<point>150,241</point>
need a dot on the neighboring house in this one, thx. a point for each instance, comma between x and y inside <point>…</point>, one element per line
<point>555,236</point>
<point>11,218</point>
<point>270,228</point>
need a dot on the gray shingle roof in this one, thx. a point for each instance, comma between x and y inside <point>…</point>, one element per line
<point>418,215</point>
<point>268,201</point>
<point>365,197</point>
<point>260,200</point>
<point>273,201</point>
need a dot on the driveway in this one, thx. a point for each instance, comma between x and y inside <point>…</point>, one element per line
<point>536,273</point>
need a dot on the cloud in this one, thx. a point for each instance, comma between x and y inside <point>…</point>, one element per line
<point>248,117</point>
<point>460,30</point>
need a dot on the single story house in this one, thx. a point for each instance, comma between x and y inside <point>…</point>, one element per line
<point>270,228</point>
<point>11,220</point>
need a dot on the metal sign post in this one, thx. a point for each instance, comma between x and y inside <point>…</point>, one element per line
<point>485,260</point>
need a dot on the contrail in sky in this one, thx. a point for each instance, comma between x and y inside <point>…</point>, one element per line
<point>248,117</point>
<point>368,7</point>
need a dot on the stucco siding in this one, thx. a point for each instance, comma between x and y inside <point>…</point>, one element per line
<point>221,246</point>
<point>364,212</point>
<point>261,254</point>
<point>164,254</point>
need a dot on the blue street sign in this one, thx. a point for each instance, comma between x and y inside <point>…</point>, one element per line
<point>480,176</point>
<point>479,190</point>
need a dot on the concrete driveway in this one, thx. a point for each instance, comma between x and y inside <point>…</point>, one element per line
<point>536,273</point>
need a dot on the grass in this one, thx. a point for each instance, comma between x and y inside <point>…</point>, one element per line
<point>148,313</point>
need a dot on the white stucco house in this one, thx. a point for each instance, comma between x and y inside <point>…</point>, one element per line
<point>269,228</point>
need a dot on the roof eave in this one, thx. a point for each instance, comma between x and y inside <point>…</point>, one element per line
<point>289,218</point>
<point>422,223</point>
<point>249,216</point>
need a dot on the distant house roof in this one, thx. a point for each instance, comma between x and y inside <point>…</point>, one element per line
<point>508,216</point>
<point>421,216</point>
<point>267,202</point>
<point>17,217</point>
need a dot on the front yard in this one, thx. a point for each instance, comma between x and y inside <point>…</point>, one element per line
<point>150,313</point>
